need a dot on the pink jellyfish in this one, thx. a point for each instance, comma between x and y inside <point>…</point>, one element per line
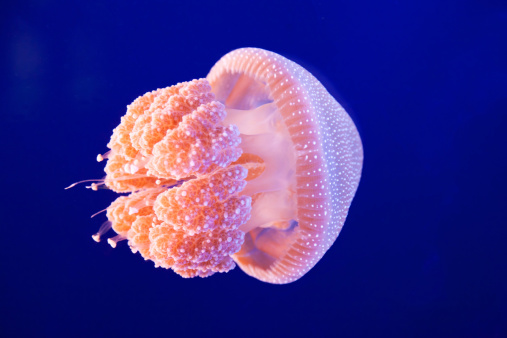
<point>256,165</point>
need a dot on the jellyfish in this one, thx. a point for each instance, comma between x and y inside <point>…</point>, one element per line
<point>255,165</point>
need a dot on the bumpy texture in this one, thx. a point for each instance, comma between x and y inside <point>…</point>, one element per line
<point>173,154</point>
<point>168,135</point>
<point>198,145</point>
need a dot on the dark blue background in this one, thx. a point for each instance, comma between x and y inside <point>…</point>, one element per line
<point>423,252</point>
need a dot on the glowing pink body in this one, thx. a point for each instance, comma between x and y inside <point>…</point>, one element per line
<point>256,164</point>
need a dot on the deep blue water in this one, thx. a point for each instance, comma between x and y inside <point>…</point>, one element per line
<point>423,251</point>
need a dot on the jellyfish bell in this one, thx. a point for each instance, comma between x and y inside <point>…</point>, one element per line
<point>256,165</point>
<point>312,154</point>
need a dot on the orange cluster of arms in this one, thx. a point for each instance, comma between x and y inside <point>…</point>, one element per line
<point>255,165</point>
